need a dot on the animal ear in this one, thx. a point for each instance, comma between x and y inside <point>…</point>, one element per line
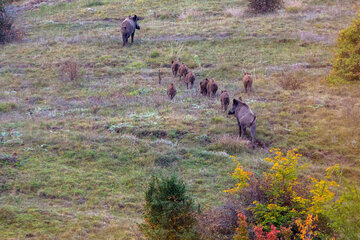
<point>235,102</point>
<point>135,17</point>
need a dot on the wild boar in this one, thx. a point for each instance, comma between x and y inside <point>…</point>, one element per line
<point>175,67</point>
<point>225,100</point>
<point>203,86</point>
<point>190,78</point>
<point>247,81</point>
<point>171,91</point>
<point>128,27</point>
<point>245,118</point>
<point>212,87</point>
<point>183,70</point>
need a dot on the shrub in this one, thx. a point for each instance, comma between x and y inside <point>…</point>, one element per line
<point>242,231</point>
<point>281,204</point>
<point>169,211</point>
<point>345,213</point>
<point>69,70</point>
<point>346,64</point>
<point>264,6</point>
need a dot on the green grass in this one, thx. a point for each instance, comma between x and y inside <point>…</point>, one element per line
<point>84,151</point>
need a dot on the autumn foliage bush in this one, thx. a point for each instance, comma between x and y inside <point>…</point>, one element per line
<point>346,64</point>
<point>169,210</point>
<point>283,207</point>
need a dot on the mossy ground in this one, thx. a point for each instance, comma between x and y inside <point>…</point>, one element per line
<point>75,157</point>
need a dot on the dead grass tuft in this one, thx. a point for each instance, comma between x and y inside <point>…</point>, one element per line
<point>69,70</point>
<point>291,80</point>
<point>230,144</point>
<point>293,6</point>
<point>191,13</point>
<point>218,223</point>
<point>234,12</point>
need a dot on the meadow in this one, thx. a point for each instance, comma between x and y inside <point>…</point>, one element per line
<point>76,156</point>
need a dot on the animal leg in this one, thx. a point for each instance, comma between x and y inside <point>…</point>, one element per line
<point>252,132</point>
<point>245,132</point>
<point>132,37</point>
<point>239,129</point>
<point>124,39</point>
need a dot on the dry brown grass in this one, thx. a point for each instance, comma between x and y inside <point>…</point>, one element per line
<point>291,80</point>
<point>69,70</point>
<point>218,223</point>
<point>191,13</point>
<point>293,6</point>
<point>234,12</point>
<point>231,144</point>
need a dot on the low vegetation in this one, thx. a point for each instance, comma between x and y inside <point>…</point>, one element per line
<point>265,6</point>
<point>346,65</point>
<point>80,142</point>
<point>169,211</point>
<point>276,205</point>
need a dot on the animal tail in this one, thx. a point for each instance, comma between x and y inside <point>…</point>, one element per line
<point>253,121</point>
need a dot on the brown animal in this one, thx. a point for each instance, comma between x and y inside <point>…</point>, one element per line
<point>190,78</point>
<point>212,87</point>
<point>225,100</point>
<point>245,118</point>
<point>159,76</point>
<point>175,67</point>
<point>183,70</point>
<point>128,27</point>
<point>247,81</point>
<point>203,86</point>
<point>171,91</point>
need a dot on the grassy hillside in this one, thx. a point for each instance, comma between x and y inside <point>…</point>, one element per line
<point>75,156</point>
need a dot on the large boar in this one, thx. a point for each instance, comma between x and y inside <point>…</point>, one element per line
<point>245,118</point>
<point>128,27</point>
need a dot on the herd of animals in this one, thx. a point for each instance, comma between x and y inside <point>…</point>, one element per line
<point>245,117</point>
